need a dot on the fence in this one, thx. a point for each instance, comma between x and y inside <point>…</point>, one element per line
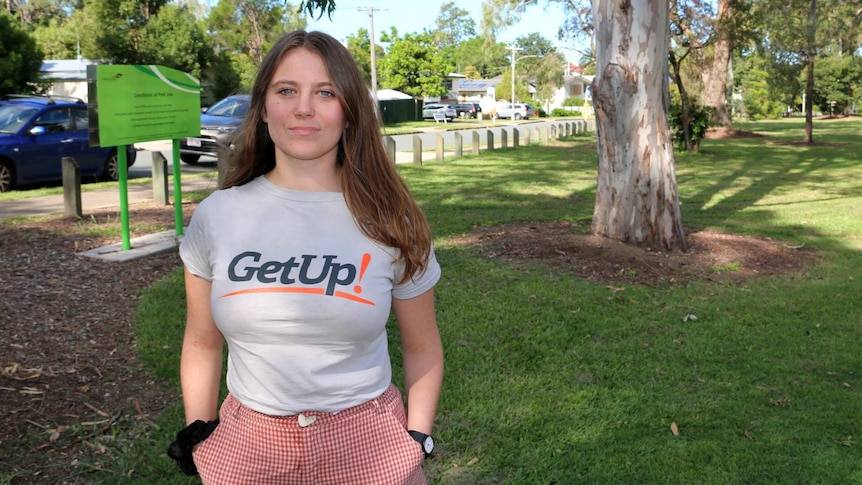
<point>400,110</point>
<point>526,134</point>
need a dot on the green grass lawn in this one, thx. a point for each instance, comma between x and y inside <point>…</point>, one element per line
<point>554,380</point>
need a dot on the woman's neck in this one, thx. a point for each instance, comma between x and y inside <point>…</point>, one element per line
<point>314,177</point>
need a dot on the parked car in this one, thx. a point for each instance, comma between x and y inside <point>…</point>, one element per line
<point>218,124</point>
<point>430,109</point>
<point>36,132</point>
<point>522,111</point>
<point>468,110</point>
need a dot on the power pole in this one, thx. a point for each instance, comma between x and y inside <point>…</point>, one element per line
<point>371,11</point>
<point>514,49</point>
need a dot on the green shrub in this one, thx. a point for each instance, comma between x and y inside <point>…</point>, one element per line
<point>699,117</point>
<point>573,102</point>
<point>560,112</point>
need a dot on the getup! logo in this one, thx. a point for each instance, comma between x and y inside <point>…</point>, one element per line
<point>300,274</point>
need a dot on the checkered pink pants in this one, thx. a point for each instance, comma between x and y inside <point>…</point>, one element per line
<point>363,445</point>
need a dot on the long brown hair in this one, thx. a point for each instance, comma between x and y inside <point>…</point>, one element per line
<point>376,195</point>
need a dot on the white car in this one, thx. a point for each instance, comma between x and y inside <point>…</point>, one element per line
<point>522,111</point>
<point>430,110</point>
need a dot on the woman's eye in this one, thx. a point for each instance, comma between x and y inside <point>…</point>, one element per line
<point>287,91</point>
<point>326,94</point>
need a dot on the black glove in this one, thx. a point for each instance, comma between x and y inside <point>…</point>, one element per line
<point>181,449</point>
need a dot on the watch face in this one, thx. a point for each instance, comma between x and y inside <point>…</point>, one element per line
<point>428,445</point>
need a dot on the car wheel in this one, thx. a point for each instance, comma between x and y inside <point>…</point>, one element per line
<point>517,116</point>
<point>112,167</point>
<point>190,158</point>
<point>7,176</point>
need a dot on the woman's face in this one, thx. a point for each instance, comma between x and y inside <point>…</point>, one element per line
<point>302,110</point>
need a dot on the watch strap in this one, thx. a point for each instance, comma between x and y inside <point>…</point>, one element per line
<point>421,438</point>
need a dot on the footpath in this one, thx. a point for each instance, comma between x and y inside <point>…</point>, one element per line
<point>147,245</point>
<point>98,199</point>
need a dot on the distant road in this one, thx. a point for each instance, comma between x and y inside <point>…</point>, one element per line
<point>143,168</point>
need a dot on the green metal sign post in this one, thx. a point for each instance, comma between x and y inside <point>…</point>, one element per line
<point>130,104</point>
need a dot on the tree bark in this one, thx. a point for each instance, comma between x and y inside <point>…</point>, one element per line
<point>636,198</point>
<point>715,75</point>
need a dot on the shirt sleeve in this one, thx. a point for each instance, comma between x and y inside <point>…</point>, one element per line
<point>195,245</point>
<point>420,282</point>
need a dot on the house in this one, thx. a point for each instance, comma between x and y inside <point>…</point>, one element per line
<point>576,84</point>
<point>66,77</point>
<point>484,91</point>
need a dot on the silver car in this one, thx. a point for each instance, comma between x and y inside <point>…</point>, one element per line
<point>218,124</point>
<point>448,111</point>
<point>521,111</point>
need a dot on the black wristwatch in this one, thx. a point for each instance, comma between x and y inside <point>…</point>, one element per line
<point>423,439</point>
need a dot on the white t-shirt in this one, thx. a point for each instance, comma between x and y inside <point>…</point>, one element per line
<point>300,294</point>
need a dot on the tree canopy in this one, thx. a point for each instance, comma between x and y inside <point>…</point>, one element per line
<point>20,57</point>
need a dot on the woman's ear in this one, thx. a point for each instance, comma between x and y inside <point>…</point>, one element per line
<point>263,115</point>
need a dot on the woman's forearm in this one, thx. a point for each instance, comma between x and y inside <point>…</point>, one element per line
<point>200,377</point>
<point>423,379</point>
<point>423,359</point>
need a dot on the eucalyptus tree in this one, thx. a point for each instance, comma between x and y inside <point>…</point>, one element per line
<point>412,66</point>
<point>793,33</point>
<point>690,34</point>
<point>758,89</point>
<point>504,89</point>
<point>472,55</point>
<point>65,37</point>
<point>846,26</point>
<point>38,12</point>
<point>636,197</point>
<point>838,83</point>
<point>176,39</point>
<point>246,29</point>
<point>119,28</point>
<point>453,25</point>
<point>20,57</point>
<point>538,63</point>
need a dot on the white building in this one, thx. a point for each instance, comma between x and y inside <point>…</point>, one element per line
<point>575,85</point>
<point>68,77</point>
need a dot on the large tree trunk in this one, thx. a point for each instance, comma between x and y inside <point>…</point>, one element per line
<point>715,75</point>
<point>636,199</point>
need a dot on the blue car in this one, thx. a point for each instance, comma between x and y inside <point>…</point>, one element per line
<point>36,132</point>
<point>218,124</point>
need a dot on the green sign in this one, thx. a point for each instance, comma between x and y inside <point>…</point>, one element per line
<point>129,104</point>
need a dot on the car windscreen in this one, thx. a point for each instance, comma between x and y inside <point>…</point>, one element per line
<point>230,107</point>
<point>13,118</point>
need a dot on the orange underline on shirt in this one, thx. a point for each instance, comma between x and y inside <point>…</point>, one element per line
<point>307,291</point>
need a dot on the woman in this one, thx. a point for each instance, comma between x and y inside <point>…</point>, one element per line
<point>296,264</point>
